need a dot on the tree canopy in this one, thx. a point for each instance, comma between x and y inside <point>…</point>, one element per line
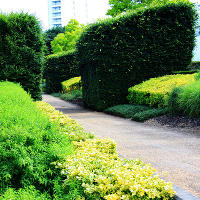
<point>67,41</point>
<point>50,34</point>
<point>120,6</point>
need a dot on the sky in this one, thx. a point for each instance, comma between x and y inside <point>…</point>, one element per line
<point>97,9</point>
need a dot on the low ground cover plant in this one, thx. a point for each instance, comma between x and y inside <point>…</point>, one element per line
<point>103,175</point>
<point>185,100</point>
<point>135,112</point>
<point>155,91</point>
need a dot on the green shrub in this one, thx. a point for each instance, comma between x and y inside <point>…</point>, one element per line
<point>155,91</point>
<point>117,53</point>
<point>194,65</point>
<point>135,112</point>
<point>148,114</point>
<point>73,95</point>
<point>126,110</point>
<point>21,47</point>
<point>29,193</point>
<point>71,84</point>
<point>102,174</point>
<point>186,100</point>
<point>60,67</point>
<point>29,143</point>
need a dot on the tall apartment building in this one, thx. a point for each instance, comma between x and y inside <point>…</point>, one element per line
<point>55,13</point>
<point>61,11</point>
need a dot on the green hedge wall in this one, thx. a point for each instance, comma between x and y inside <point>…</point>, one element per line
<point>21,52</point>
<point>60,67</point>
<point>117,53</point>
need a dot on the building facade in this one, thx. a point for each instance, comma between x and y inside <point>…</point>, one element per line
<point>61,11</point>
<point>54,13</point>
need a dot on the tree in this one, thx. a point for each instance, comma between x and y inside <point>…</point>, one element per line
<point>50,34</point>
<point>120,6</point>
<point>67,41</point>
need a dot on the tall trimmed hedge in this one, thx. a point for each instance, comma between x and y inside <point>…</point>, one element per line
<point>60,67</point>
<point>118,53</point>
<point>21,52</point>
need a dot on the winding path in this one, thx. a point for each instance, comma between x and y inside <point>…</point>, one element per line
<point>178,153</point>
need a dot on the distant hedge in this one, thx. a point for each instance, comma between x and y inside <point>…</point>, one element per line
<point>117,53</point>
<point>60,67</point>
<point>155,91</point>
<point>21,52</point>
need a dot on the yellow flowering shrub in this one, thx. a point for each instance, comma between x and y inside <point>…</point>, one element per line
<point>155,91</point>
<point>106,176</point>
<point>71,84</point>
<point>99,169</point>
<point>67,125</point>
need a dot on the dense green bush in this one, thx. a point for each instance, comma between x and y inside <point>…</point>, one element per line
<point>154,92</point>
<point>21,47</point>
<point>60,67</point>
<point>186,100</point>
<point>117,53</point>
<point>29,143</point>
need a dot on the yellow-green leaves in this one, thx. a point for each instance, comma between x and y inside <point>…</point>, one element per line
<point>155,91</point>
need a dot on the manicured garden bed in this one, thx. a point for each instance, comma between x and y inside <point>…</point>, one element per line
<point>46,155</point>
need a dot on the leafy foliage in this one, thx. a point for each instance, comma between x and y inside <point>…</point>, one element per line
<point>67,41</point>
<point>74,95</point>
<point>186,100</point>
<point>21,47</point>
<point>135,112</point>
<point>67,125</point>
<point>49,36</point>
<point>155,91</point>
<point>121,6</point>
<point>71,84</point>
<point>103,175</point>
<point>29,193</point>
<point>118,53</point>
<point>29,143</point>
<point>60,67</point>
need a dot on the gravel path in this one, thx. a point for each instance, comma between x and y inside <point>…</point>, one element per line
<point>169,150</point>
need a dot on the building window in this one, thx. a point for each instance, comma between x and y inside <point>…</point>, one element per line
<point>58,14</point>
<point>57,25</point>
<point>56,8</point>
<point>57,20</point>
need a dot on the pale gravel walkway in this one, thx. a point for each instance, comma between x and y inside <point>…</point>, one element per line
<point>167,150</point>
